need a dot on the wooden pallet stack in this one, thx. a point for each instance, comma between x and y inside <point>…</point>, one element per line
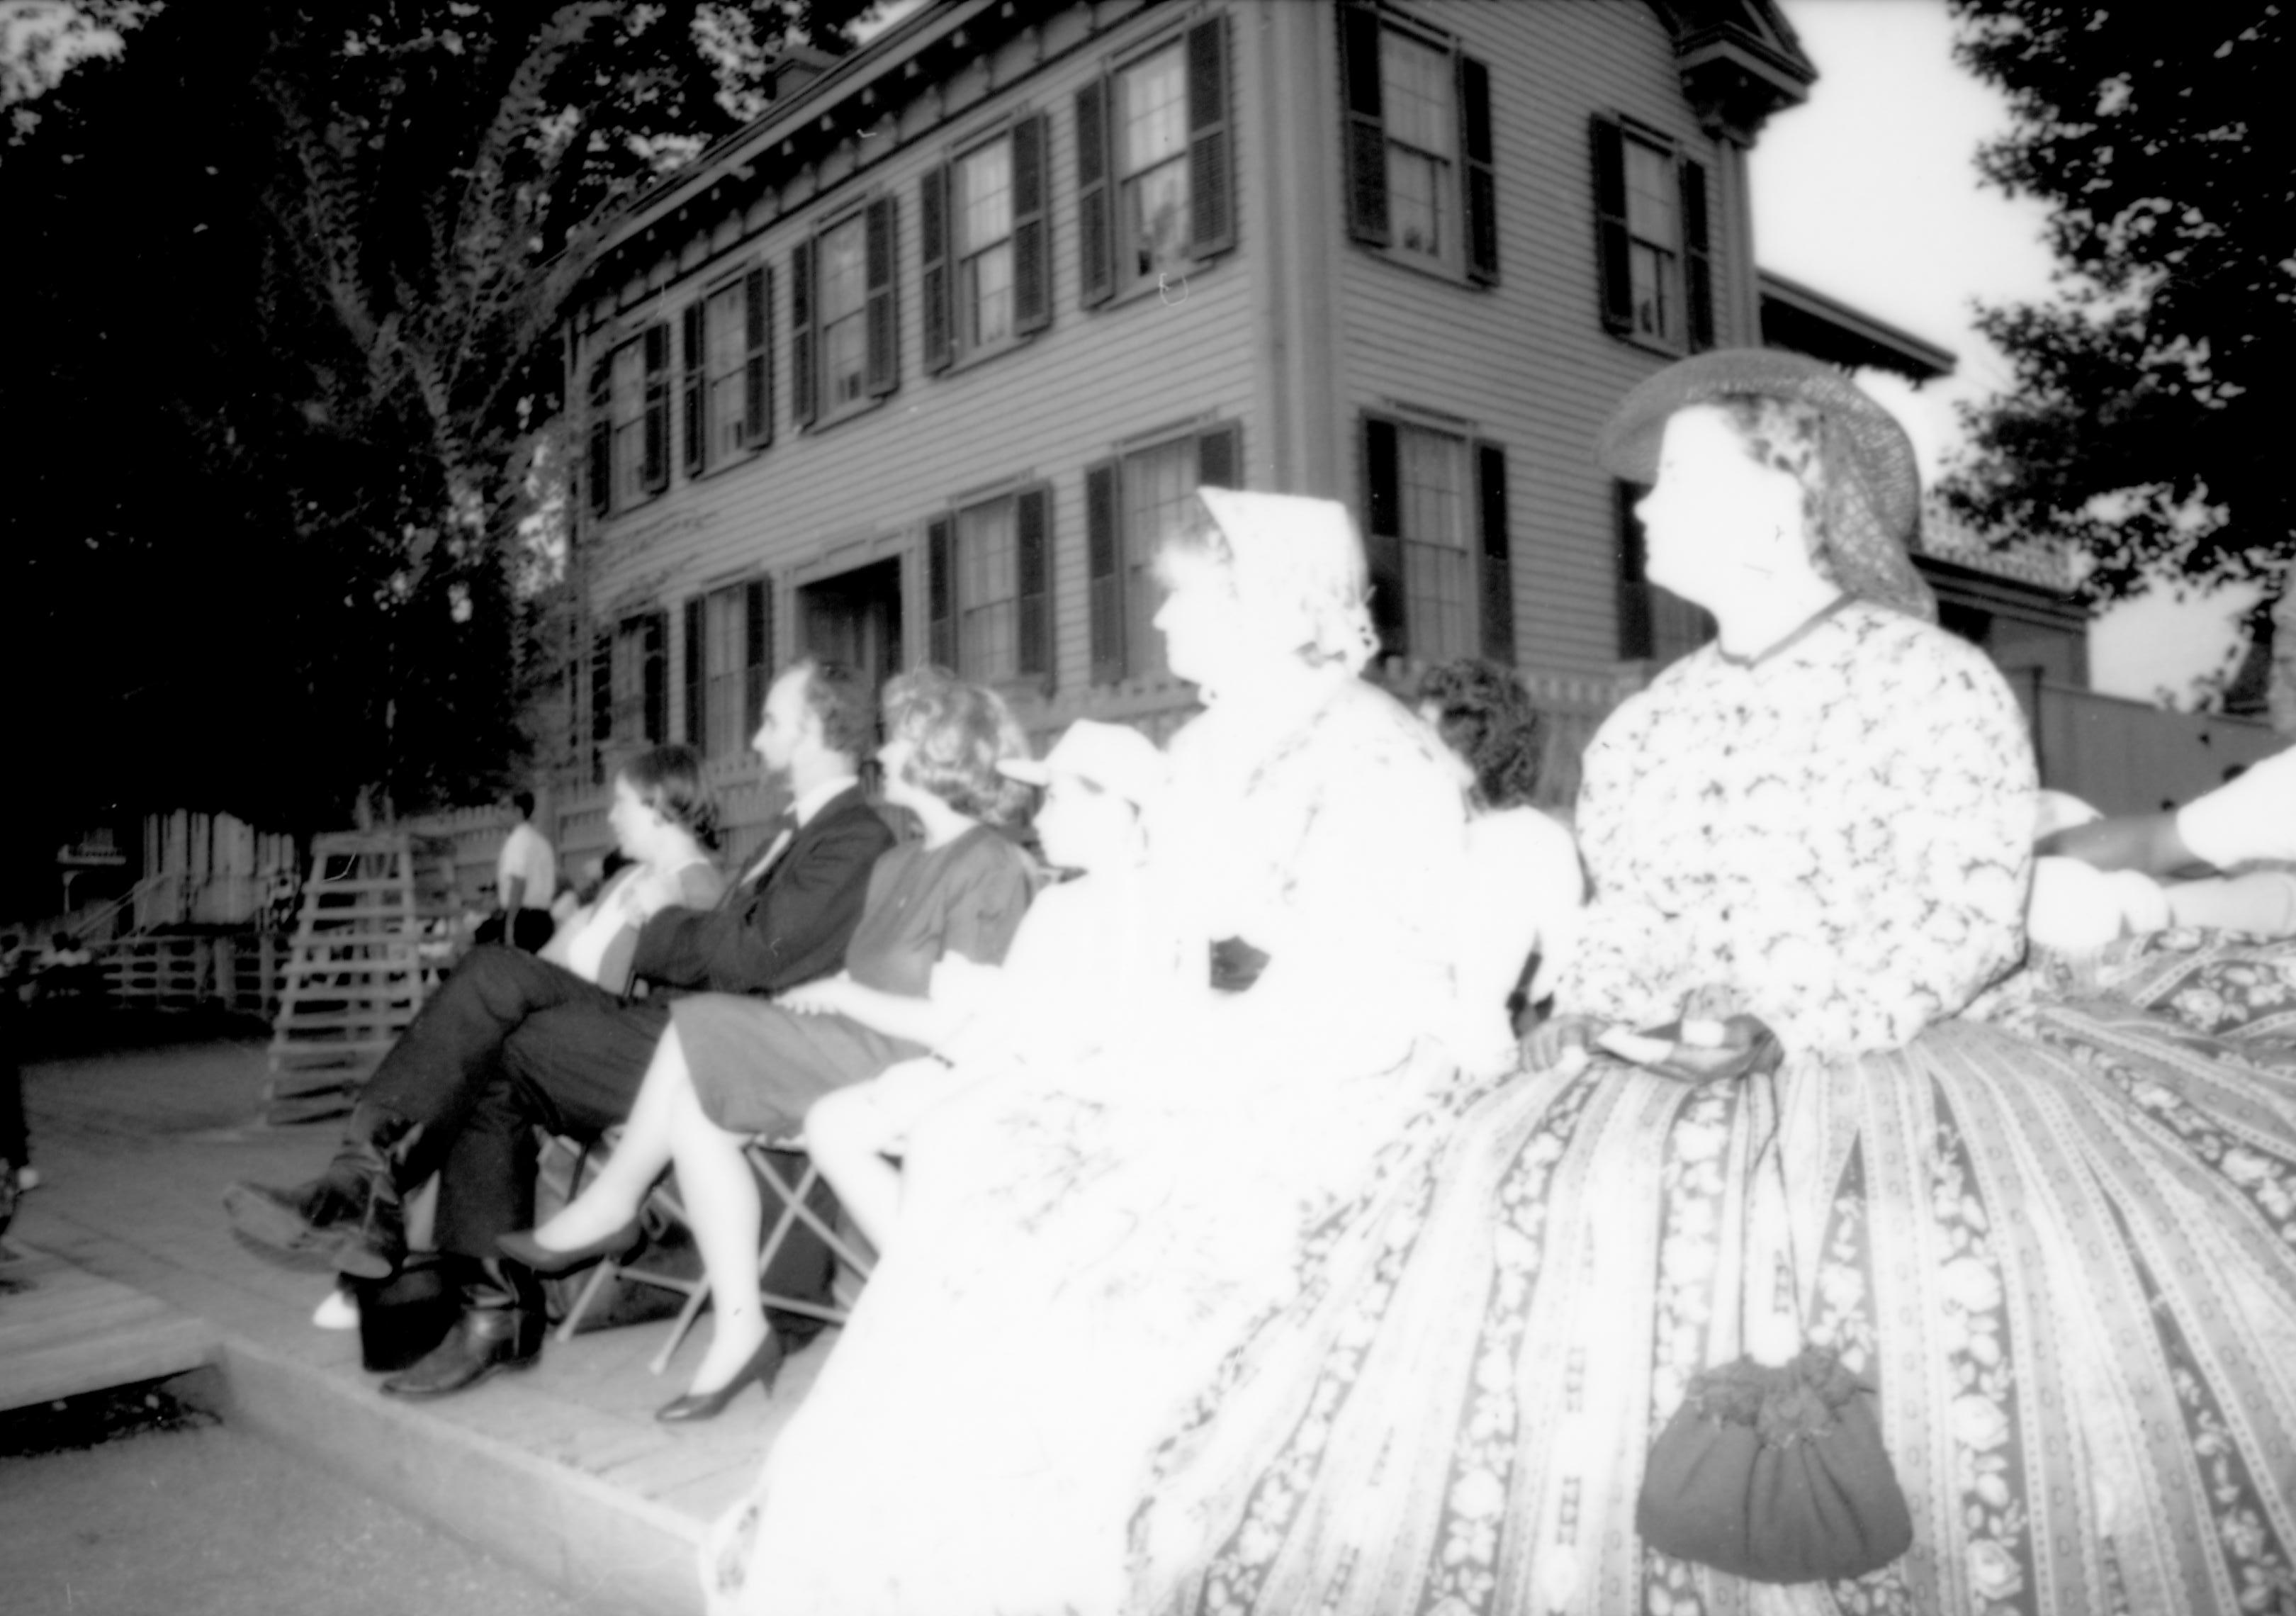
<point>358,972</point>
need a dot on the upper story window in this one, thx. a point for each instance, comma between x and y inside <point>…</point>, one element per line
<point>1436,542</point>
<point>1153,166</point>
<point>728,360</point>
<point>728,648</point>
<point>1132,503</point>
<point>1655,625</point>
<point>989,586</point>
<point>1657,278</point>
<point>630,422</point>
<point>1420,178</point>
<point>988,277</point>
<point>843,324</point>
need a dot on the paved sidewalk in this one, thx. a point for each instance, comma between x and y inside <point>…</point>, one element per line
<point>562,1468</point>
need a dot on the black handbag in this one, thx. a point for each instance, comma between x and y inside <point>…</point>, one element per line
<point>1775,1472</point>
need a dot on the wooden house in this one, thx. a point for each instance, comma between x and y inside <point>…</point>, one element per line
<point>920,363</point>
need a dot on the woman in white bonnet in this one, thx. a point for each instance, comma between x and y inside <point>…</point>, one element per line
<point>1078,1249</point>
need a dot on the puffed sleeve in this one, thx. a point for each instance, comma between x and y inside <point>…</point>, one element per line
<point>1919,889</point>
<point>1628,954</point>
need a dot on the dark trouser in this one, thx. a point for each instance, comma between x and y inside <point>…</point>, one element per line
<point>574,1068</point>
<point>15,1142</point>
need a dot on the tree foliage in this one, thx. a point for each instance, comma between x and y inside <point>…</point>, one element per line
<point>283,281</point>
<point>2152,390</point>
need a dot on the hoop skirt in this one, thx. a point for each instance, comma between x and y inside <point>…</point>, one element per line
<point>2054,1227</point>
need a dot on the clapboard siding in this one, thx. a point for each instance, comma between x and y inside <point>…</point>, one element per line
<point>1293,333</point>
<point>1038,413</point>
<point>1527,362</point>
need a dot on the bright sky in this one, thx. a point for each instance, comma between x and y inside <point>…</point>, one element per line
<point>1869,191</point>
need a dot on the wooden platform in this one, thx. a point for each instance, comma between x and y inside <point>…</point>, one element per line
<point>64,1331</point>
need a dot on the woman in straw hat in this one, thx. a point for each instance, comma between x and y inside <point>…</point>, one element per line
<point>1077,1249</point>
<point>2057,1243</point>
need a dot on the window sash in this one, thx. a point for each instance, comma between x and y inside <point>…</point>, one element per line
<point>1151,147</point>
<point>629,417</point>
<point>1438,560</point>
<point>988,591</point>
<point>1653,241</point>
<point>1155,485</point>
<point>983,209</point>
<point>725,324</point>
<point>1417,90</point>
<point>844,269</point>
<point>1416,184</point>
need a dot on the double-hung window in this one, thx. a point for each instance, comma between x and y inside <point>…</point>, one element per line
<point>728,648</point>
<point>843,324</point>
<point>727,361</point>
<point>630,422</point>
<point>1420,181</point>
<point>1656,274</point>
<point>1155,193</point>
<point>989,586</point>
<point>988,273</point>
<point>1435,541</point>
<point>1133,503</point>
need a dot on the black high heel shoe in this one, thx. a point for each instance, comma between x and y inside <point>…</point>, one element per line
<point>764,1367</point>
<point>521,1245</point>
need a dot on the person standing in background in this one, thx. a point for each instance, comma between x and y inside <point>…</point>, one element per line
<point>526,879</point>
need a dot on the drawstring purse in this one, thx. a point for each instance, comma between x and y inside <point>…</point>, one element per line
<point>1775,1472</point>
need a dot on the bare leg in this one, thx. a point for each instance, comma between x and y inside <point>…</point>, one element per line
<point>845,1134</point>
<point>722,1203</point>
<point>613,1197</point>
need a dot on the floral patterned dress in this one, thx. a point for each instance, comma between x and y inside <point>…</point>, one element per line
<point>2057,1233</point>
<point>1080,1245</point>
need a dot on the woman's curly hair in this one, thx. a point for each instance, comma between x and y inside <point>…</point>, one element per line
<point>671,781</point>
<point>1485,715</point>
<point>961,732</point>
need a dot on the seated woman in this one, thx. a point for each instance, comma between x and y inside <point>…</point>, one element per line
<point>1089,965</point>
<point>731,1066</point>
<point>2058,1249</point>
<point>1523,886</point>
<point>1079,1241</point>
<point>348,1221</point>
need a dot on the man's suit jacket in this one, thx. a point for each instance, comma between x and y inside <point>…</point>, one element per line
<point>788,926</point>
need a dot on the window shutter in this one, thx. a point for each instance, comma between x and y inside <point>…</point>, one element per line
<point>1032,521</point>
<point>758,358</point>
<point>697,725</point>
<point>690,365</point>
<point>602,438</point>
<point>1032,236</point>
<point>757,655</point>
<point>654,474</point>
<point>653,630</point>
<point>1483,212</point>
<point>885,373</point>
<point>1212,188</point>
<point>1697,263</point>
<point>1105,572</point>
<point>933,232</point>
<point>1495,571</point>
<point>1613,274</point>
<point>1219,456</point>
<point>601,691</point>
<point>940,592</point>
<point>1366,129</point>
<point>1095,198</point>
<point>804,394</point>
<point>1383,533</point>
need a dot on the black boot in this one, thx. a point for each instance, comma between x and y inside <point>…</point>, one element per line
<point>348,1220</point>
<point>501,1328</point>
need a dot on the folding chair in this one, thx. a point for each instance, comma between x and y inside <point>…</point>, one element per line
<point>660,1212</point>
<point>796,1208</point>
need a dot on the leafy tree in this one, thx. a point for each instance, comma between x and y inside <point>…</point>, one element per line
<point>2152,390</point>
<point>281,371</point>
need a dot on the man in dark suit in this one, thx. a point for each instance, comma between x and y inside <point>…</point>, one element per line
<point>510,1040</point>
